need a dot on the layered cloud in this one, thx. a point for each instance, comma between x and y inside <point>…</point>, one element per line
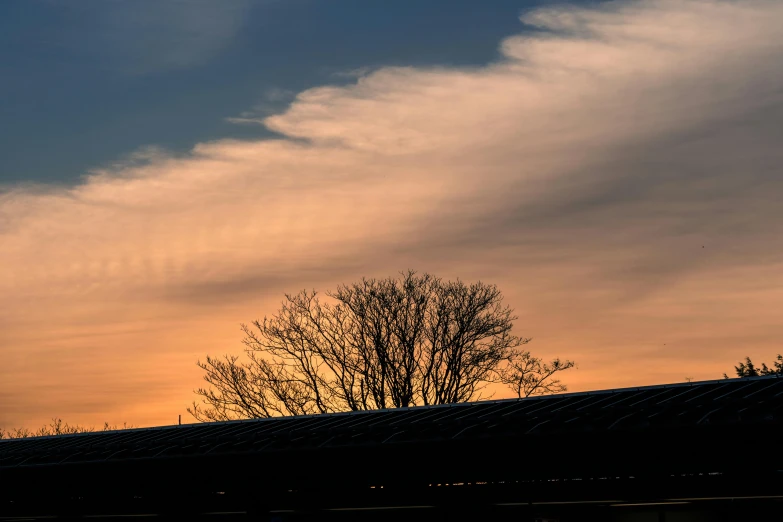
<point>617,171</point>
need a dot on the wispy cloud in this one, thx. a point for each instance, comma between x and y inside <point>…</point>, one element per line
<point>272,101</point>
<point>145,36</point>
<point>618,175</point>
<point>353,73</point>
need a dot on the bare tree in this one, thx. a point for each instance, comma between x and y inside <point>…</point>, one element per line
<point>390,343</point>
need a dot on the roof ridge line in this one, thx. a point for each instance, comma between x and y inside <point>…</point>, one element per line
<point>414,408</point>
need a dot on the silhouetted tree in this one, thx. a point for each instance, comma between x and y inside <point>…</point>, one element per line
<point>748,369</point>
<point>56,427</point>
<point>414,340</point>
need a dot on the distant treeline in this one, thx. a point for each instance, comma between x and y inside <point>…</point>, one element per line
<point>57,427</point>
<point>748,369</point>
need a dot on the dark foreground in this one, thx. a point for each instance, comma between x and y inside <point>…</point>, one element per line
<point>690,452</point>
<point>486,502</point>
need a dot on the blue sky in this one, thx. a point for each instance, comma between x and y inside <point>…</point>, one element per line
<point>85,83</point>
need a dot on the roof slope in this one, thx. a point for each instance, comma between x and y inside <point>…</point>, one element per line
<point>650,409</point>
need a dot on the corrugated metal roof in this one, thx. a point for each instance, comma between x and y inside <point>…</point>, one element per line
<point>648,408</point>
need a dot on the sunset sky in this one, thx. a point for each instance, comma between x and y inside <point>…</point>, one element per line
<point>170,168</point>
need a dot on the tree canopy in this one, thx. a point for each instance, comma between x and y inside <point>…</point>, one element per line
<point>748,369</point>
<point>376,344</point>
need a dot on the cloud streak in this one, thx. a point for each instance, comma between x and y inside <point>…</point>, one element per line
<point>617,172</point>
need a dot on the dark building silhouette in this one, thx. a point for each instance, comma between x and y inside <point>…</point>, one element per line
<point>698,451</point>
